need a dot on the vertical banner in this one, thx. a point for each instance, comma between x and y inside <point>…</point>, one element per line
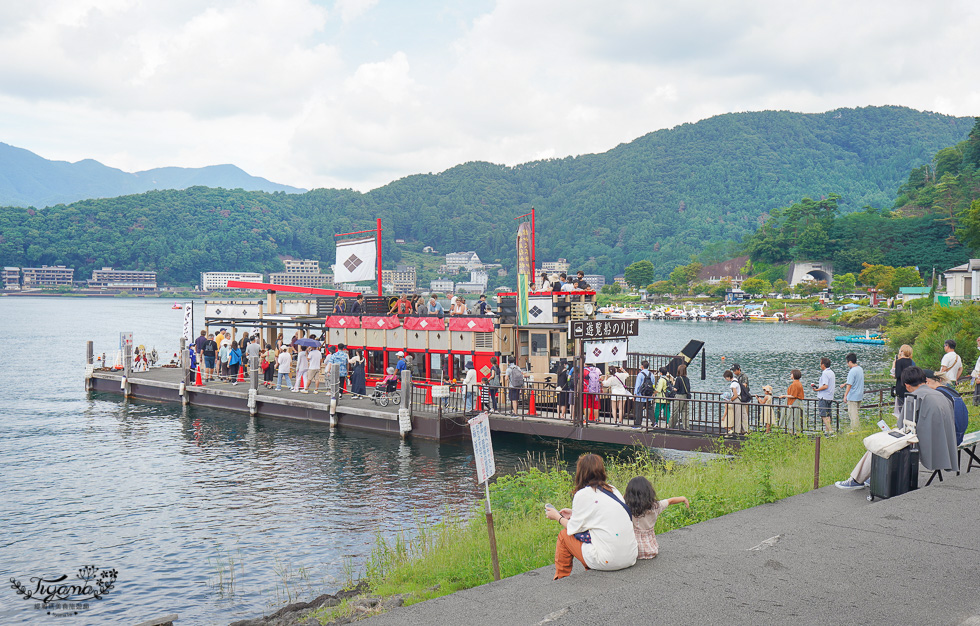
<point>525,271</point>
<point>189,322</point>
<point>356,260</point>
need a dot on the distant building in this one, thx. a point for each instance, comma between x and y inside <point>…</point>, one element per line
<point>481,277</point>
<point>11,278</point>
<point>48,276</point>
<point>463,260</point>
<point>963,281</point>
<point>301,279</point>
<point>620,279</point>
<point>501,272</point>
<point>124,280</point>
<point>211,281</point>
<point>555,267</point>
<point>306,266</point>
<point>402,279</point>
<point>442,285</point>
<point>470,287</point>
<point>399,241</point>
<point>429,250</point>
<point>730,270</point>
<point>912,293</point>
<point>596,281</point>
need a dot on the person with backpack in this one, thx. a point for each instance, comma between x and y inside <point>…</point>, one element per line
<point>515,382</point>
<point>643,393</point>
<point>663,390</point>
<point>682,385</point>
<point>734,420</point>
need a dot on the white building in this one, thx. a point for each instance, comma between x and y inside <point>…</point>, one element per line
<point>963,281</point>
<point>480,277</point>
<point>555,267</point>
<point>471,287</point>
<point>465,260</point>
<point>126,280</point>
<point>305,266</point>
<point>48,276</point>
<point>11,278</point>
<point>212,281</point>
<point>443,285</point>
<point>596,281</point>
<point>401,280</point>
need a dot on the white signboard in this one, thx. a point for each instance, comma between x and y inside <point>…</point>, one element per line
<point>125,339</point>
<point>251,311</point>
<point>609,351</point>
<point>189,322</point>
<point>482,447</point>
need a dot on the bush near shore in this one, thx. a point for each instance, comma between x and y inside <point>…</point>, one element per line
<point>452,555</point>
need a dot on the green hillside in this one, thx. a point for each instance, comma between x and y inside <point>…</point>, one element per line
<point>663,197</point>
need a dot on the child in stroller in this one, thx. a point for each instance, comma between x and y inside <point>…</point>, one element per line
<point>387,389</point>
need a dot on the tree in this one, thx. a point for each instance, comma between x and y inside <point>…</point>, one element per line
<point>660,288</point>
<point>809,287</point>
<point>969,230</point>
<point>612,289</point>
<point>844,283</point>
<point>684,275</point>
<point>904,277</point>
<point>878,276</point>
<point>756,286</point>
<point>781,287</point>
<point>813,243</point>
<point>639,273</point>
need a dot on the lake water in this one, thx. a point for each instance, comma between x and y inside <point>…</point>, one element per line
<point>217,517</point>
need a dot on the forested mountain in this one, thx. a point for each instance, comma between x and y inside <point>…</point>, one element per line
<point>27,179</point>
<point>662,197</point>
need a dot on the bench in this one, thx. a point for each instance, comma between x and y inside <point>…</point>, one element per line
<point>969,445</point>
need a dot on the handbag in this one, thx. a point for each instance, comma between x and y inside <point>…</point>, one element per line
<point>885,444</point>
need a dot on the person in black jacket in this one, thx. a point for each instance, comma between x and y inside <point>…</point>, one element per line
<point>682,385</point>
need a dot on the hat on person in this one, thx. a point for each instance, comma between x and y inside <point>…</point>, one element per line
<point>390,370</point>
<point>469,365</point>
<point>767,388</point>
<point>400,353</point>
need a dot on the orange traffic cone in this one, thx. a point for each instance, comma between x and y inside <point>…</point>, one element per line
<point>241,374</point>
<point>531,408</point>
<point>198,382</point>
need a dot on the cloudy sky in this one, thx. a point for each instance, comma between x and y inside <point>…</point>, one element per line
<point>356,93</point>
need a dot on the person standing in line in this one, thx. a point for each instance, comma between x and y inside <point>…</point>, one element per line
<point>284,361</point>
<point>200,341</point>
<point>854,390</point>
<point>469,387</point>
<point>243,346</point>
<point>253,350</point>
<point>515,382</point>
<point>682,395</point>
<point>270,359</point>
<point>825,393</point>
<point>615,382</point>
<point>902,360</point>
<point>733,420</point>
<point>234,361</point>
<point>223,355</point>
<point>494,382</point>
<point>793,393</point>
<point>565,383</point>
<point>741,377</point>
<point>219,338</point>
<point>661,403</point>
<point>642,394</point>
<point>210,352</point>
<point>338,360</point>
<point>356,363</point>
<point>314,360</point>
<point>952,364</point>
<point>302,370</point>
<point>975,375</point>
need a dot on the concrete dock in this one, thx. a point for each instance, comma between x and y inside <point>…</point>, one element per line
<point>824,557</point>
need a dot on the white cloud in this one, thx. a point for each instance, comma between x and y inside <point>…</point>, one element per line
<point>362,92</point>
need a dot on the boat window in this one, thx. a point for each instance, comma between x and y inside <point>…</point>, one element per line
<point>435,366</point>
<point>539,344</point>
<point>375,361</point>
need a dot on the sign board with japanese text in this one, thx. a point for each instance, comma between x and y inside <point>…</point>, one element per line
<point>482,447</point>
<point>188,332</point>
<point>125,339</point>
<point>600,329</point>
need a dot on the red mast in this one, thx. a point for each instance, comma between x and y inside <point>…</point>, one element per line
<point>379,258</point>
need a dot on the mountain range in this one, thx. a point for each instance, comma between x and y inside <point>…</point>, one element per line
<point>664,197</point>
<point>29,180</point>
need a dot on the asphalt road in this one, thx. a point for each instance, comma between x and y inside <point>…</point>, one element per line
<point>824,557</point>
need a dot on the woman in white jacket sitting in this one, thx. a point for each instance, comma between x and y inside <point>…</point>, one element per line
<point>598,529</point>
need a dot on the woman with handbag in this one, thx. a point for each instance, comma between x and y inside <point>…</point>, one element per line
<point>598,529</point>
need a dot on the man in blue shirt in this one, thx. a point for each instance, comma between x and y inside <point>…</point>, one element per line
<point>854,389</point>
<point>435,307</point>
<point>644,383</point>
<point>402,363</point>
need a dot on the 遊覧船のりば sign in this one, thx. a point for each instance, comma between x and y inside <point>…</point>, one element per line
<point>600,329</point>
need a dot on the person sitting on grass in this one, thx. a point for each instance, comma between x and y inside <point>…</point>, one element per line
<point>642,500</point>
<point>598,529</point>
<point>933,415</point>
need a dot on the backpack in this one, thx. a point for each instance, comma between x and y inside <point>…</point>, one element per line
<point>671,389</point>
<point>745,395</point>
<point>516,377</point>
<point>646,388</point>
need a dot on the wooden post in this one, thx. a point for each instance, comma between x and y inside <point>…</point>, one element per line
<point>127,367</point>
<point>407,389</point>
<point>334,384</point>
<point>577,412</point>
<point>89,360</point>
<point>816,462</point>
<point>253,372</point>
<point>492,534</point>
<point>89,353</point>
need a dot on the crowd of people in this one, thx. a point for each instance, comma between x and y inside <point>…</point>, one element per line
<point>303,364</point>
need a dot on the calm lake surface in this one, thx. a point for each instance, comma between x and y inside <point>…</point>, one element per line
<point>217,517</point>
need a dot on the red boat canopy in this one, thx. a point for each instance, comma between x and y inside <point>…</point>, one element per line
<point>313,291</point>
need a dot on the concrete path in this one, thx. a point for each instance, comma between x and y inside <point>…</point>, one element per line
<point>825,557</point>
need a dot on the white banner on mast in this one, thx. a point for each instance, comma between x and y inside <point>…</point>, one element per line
<point>608,351</point>
<point>356,260</point>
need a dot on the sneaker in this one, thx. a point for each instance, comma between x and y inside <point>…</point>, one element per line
<point>315,391</point>
<point>233,384</point>
<point>850,483</point>
<point>303,391</point>
<point>867,483</point>
<point>278,388</point>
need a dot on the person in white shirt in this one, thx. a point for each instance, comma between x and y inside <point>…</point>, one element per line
<point>315,359</point>
<point>285,360</point>
<point>952,364</point>
<point>598,529</point>
<point>302,367</point>
<point>975,374</point>
<point>825,393</point>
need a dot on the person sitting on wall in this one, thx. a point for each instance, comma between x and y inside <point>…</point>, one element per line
<point>598,529</point>
<point>435,307</point>
<point>933,415</point>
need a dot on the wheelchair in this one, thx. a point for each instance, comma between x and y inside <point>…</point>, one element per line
<point>386,392</point>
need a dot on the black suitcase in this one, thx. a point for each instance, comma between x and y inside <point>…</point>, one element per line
<point>895,475</point>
